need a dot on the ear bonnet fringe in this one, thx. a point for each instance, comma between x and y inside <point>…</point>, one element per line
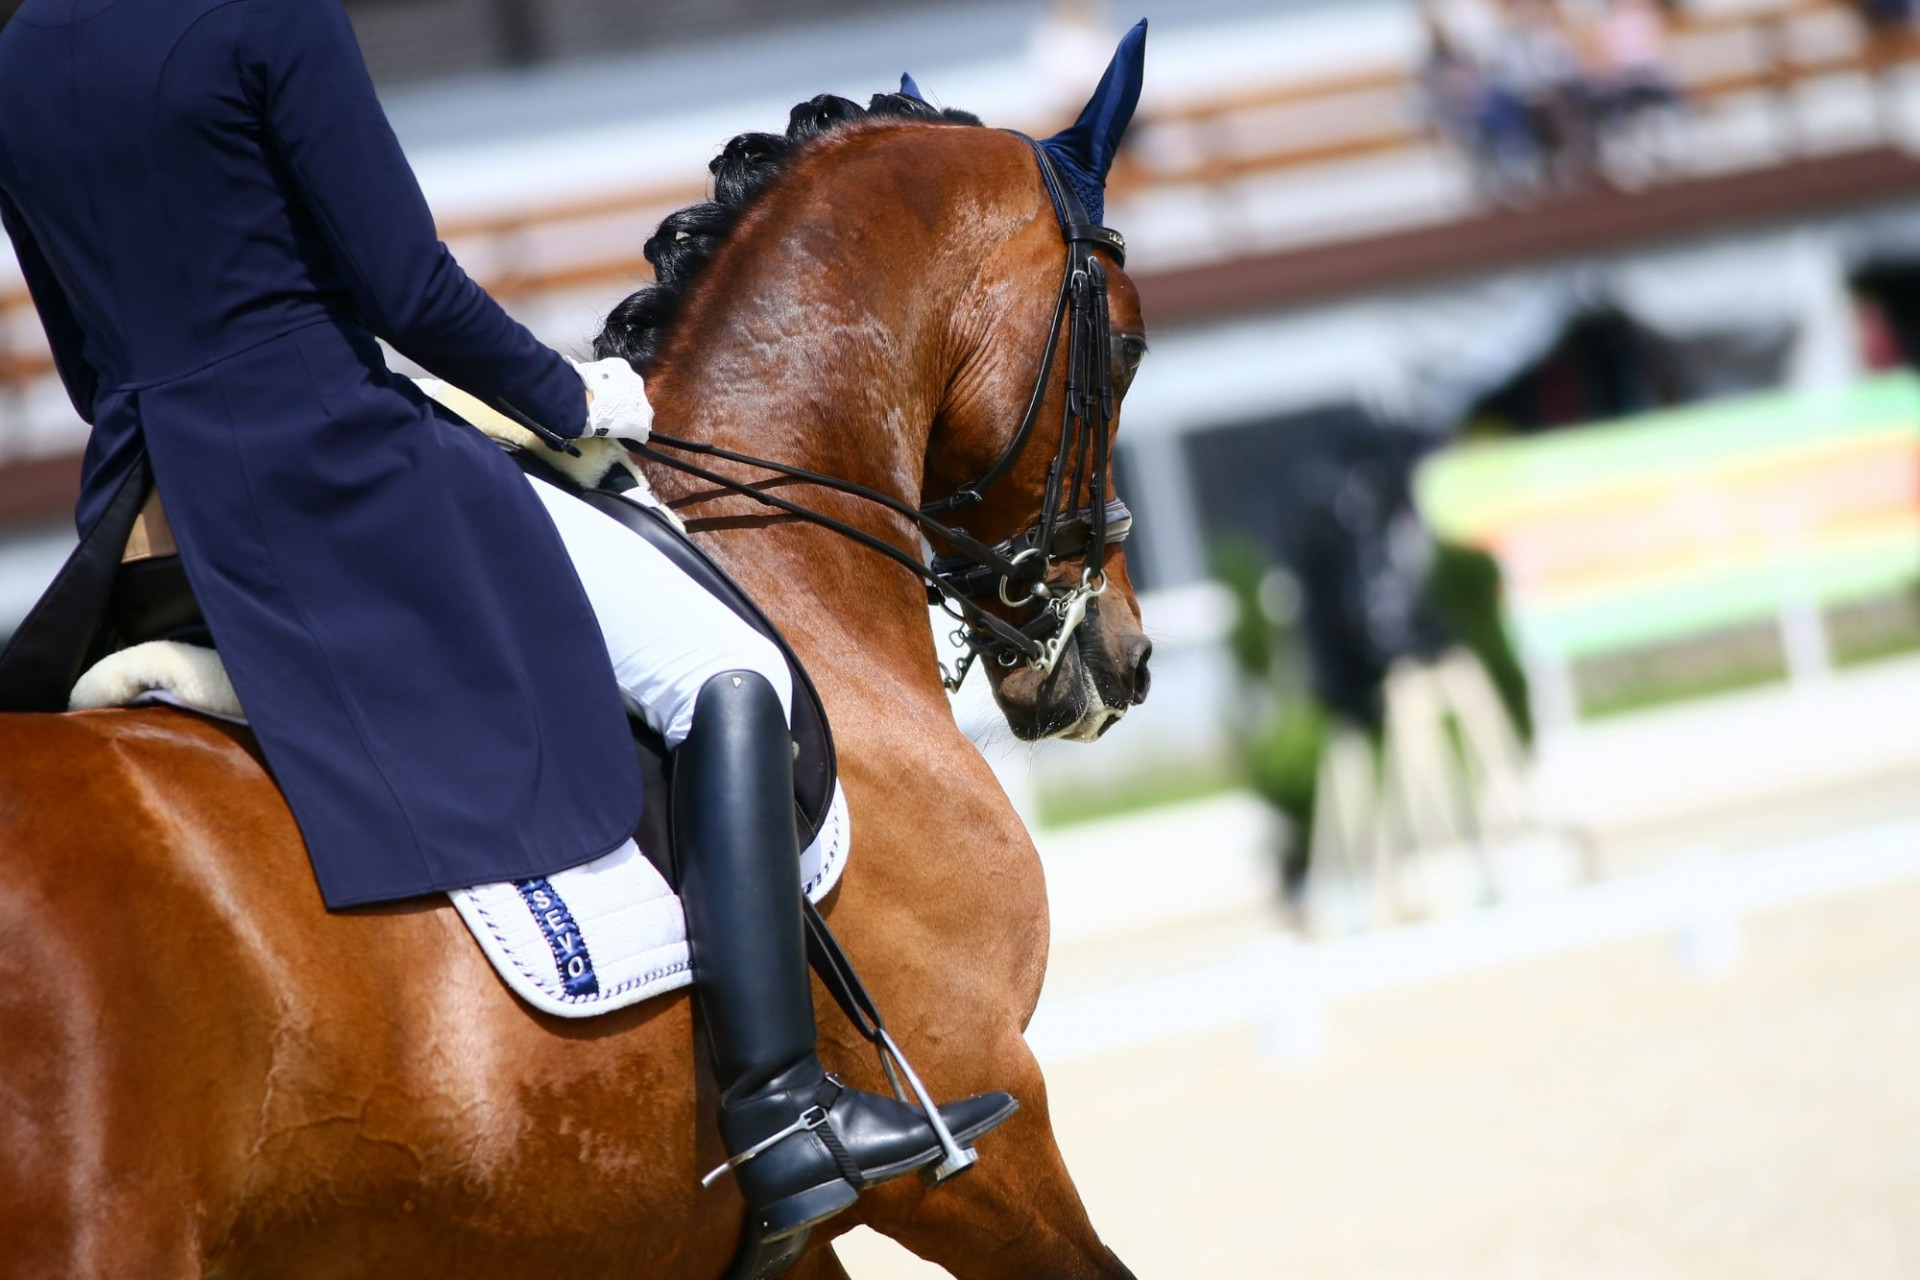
<point>687,240</point>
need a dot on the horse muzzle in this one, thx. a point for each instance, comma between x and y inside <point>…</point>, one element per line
<point>1098,678</point>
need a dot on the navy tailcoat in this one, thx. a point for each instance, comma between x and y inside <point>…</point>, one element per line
<point>216,221</point>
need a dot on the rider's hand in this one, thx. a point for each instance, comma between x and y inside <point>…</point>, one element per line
<point>616,400</point>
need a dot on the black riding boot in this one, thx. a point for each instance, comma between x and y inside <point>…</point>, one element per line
<point>803,1145</point>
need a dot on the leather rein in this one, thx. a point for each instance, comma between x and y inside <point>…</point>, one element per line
<point>1016,570</point>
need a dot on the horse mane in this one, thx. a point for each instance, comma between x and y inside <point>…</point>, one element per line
<point>687,240</point>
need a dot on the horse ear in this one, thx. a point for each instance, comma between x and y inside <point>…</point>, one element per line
<point>908,89</point>
<point>1086,149</point>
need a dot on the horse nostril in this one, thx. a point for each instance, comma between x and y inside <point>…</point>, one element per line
<point>1142,678</point>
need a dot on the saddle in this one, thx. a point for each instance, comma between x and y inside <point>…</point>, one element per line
<point>125,586</point>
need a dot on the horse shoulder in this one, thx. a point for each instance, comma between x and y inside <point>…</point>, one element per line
<point>942,862</point>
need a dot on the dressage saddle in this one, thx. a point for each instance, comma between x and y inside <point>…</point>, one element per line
<point>125,585</point>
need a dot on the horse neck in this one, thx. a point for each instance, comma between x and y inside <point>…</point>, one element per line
<point>809,344</point>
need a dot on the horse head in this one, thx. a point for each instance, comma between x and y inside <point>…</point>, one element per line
<point>883,298</point>
<point>1102,669</point>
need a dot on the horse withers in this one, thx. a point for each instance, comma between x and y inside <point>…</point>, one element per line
<point>202,1072</point>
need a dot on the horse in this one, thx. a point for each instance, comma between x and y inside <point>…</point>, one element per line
<point>204,1073</point>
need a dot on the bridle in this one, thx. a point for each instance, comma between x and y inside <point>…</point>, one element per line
<point>1065,528</point>
<point>1016,570</point>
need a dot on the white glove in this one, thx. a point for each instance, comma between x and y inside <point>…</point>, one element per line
<point>619,407</point>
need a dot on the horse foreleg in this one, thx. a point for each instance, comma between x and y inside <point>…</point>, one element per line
<point>1016,1215</point>
<point>819,1263</point>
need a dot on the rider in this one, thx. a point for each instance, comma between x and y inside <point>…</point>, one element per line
<point>216,222</point>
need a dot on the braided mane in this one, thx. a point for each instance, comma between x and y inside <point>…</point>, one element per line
<point>686,241</point>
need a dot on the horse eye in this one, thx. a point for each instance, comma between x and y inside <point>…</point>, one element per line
<point>1128,351</point>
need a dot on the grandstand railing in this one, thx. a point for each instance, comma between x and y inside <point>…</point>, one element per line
<point>1205,144</point>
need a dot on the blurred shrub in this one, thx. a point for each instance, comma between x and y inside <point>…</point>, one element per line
<point>1278,728</point>
<point>1239,566</point>
<point>1283,766</point>
<point>1464,590</point>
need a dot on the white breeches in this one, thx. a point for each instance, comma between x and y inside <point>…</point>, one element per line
<point>666,636</point>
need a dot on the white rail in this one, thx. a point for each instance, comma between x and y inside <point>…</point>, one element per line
<point>1284,985</point>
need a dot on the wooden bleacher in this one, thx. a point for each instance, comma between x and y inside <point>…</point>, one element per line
<point>1205,144</point>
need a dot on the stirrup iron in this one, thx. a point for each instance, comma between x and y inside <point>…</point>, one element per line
<point>837,974</point>
<point>958,1159</point>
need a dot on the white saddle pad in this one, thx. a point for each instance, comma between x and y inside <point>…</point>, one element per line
<point>586,940</point>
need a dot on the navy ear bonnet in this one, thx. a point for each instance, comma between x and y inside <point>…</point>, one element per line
<point>1085,150</point>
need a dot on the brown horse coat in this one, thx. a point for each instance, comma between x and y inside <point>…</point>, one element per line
<point>202,1072</point>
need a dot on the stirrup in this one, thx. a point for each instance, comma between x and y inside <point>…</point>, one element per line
<point>957,1159</point>
<point>834,967</point>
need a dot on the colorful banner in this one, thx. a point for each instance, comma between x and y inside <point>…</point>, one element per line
<point>1680,522</point>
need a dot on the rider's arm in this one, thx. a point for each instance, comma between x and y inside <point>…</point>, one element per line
<point>56,314</point>
<point>303,64</point>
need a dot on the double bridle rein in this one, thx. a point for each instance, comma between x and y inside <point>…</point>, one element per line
<point>1014,571</point>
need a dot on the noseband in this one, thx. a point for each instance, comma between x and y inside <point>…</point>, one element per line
<point>1014,571</point>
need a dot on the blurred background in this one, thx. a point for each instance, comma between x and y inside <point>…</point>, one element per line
<point>1510,874</point>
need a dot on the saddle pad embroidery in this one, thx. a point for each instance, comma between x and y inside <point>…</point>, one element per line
<point>584,941</point>
<point>563,937</point>
<point>610,933</point>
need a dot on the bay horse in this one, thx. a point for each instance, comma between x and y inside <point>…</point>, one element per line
<point>204,1073</point>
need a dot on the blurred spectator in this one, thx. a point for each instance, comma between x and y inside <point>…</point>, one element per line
<point>1889,39</point>
<point>1634,79</point>
<point>1887,310</point>
<point>1449,80</point>
<point>1486,120</point>
<point>1473,27</point>
<point>1538,61</point>
<point>1882,14</point>
<point>1879,345</point>
<point>1452,93</point>
<point>1633,49</point>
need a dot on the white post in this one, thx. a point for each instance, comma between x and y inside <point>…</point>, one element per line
<point>1803,637</point>
<point>1551,694</point>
